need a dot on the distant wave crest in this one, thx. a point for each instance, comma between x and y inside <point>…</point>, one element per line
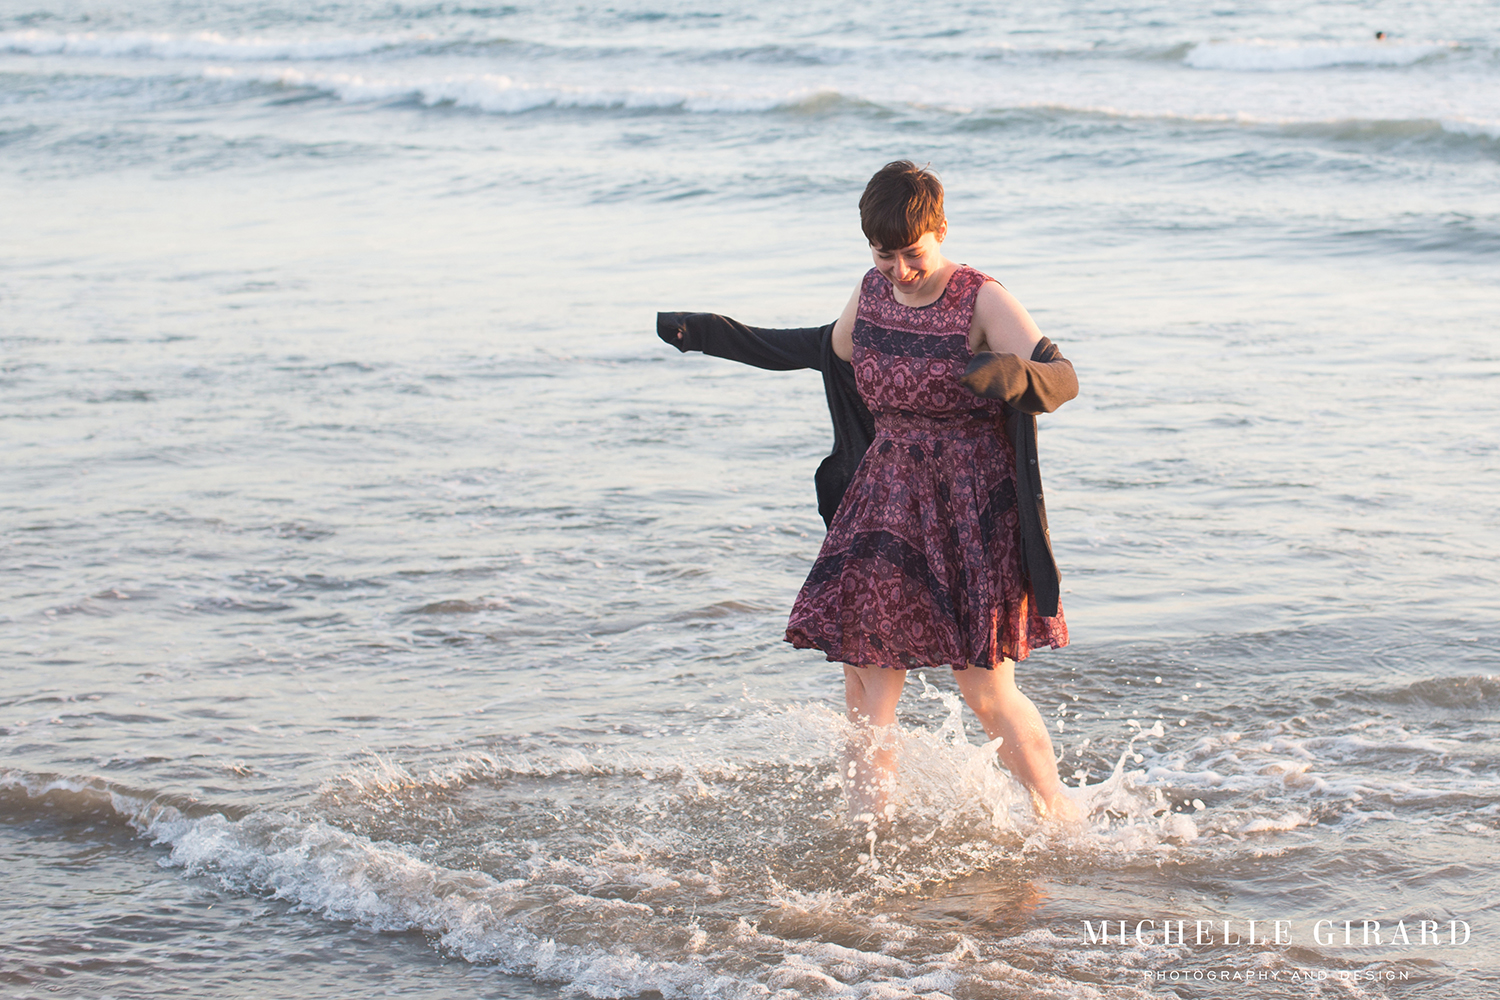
<point>198,45</point>
<point>497,93</point>
<point>1270,56</point>
<point>1255,54</point>
<point>494,93</point>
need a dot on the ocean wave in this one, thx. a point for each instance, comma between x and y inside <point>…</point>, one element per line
<point>1271,56</point>
<point>617,874</point>
<point>1449,693</point>
<point>494,93</point>
<point>1254,780</point>
<point>623,920</point>
<point>499,94</point>
<point>198,45</point>
<point>614,926</point>
<point>212,45</point>
<point>1403,131</point>
<point>1451,136</point>
<point>1256,54</point>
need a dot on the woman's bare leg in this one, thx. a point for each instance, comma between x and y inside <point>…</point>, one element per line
<point>1008,714</point>
<point>870,697</point>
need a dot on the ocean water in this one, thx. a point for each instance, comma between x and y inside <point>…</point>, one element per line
<point>385,611</point>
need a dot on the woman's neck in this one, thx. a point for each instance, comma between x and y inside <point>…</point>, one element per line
<point>928,291</point>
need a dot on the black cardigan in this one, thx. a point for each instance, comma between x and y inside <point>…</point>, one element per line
<point>1039,385</point>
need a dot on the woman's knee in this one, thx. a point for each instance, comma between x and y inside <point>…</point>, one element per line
<point>983,703</point>
<point>986,691</point>
<point>872,693</point>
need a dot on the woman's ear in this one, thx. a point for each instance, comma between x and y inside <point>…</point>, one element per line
<point>942,231</point>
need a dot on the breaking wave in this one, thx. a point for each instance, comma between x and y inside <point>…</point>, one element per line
<point>501,94</point>
<point>198,45</point>
<point>1259,55</point>
<point>693,871</point>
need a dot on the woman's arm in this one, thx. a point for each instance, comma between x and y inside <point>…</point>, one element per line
<point>722,337</point>
<point>1001,324</point>
<point>843,329</point>
<point>1012,361</point>
<point>1038,385</point>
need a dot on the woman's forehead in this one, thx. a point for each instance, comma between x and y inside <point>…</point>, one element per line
<point>911,246</point>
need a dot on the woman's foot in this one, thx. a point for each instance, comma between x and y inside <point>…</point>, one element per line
<point>1059,810</point>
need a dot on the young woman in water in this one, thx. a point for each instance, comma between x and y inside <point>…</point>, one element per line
<point>937,552</point>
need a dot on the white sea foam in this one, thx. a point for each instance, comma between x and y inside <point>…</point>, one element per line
<point>636,79</point>
<point>197,45</point>
<point>551,926</point>
<point>495,93</point>
<point>661,911</point>
<point>1268,56</point>
<point>1286,821</point>
<point>498,93</point>
<point>573,939</point>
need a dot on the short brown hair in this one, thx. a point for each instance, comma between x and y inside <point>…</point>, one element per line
<point>901,202</point>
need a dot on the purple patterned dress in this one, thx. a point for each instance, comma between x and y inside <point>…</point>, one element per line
<point>922,564</point>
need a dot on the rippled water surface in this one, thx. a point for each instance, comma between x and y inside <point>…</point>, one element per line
<point>387,612</point>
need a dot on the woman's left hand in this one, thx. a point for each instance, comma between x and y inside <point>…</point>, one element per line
<point>995,376</point>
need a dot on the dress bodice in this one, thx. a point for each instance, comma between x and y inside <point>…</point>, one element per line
<point>908,359</point>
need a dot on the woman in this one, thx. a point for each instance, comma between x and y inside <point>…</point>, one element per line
<point>936,553</point>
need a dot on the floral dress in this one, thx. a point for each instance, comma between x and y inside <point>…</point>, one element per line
<point>921,566</point>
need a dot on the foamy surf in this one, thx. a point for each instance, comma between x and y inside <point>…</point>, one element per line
<point>502,94</point>
<point>700,870</point>
<point>203,45</point>
<point>685,873</point>
<point>1270,56</point>
<point>613,923</point>
<point>619,873</point>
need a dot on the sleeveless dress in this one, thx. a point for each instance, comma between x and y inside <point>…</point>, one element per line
<point>921,566</point>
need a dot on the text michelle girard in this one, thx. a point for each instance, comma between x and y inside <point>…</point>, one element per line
<point>1183,932</point>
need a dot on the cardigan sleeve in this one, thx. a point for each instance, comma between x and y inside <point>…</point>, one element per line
<point>1039,385</point>
<point>783,350</point>
<point>722,337</point>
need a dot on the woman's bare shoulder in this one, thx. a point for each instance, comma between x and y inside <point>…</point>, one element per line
<point>843,329</point>
<point>1001,323</point>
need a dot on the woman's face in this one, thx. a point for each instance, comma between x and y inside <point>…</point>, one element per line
<point>910,268</point>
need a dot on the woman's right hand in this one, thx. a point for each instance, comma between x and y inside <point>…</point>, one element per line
<point>672,327</point>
